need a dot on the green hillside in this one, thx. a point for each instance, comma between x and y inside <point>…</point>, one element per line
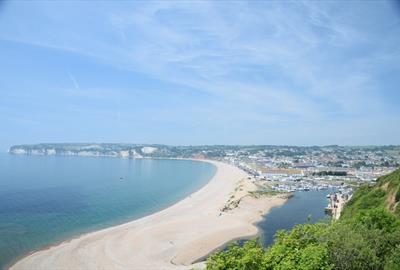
<point>384,195</point>
<point>367,236</point>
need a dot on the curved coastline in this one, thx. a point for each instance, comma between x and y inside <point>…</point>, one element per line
<point>172,238</point>
<point>100,227</point>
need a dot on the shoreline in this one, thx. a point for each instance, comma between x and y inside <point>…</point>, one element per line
<point>10,264</point>
<point>172,238</point>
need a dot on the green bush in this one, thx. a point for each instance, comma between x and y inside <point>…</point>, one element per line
<point>348,248</point>
<point>298,249</point>
<point>248,257</point>
<point>393,262</point>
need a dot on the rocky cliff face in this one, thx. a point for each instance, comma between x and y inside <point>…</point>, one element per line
<point>123,150</point>
<point>117,150</point>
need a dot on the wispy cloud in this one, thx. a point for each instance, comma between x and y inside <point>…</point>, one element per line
<point>74,81</point>
<point>293,62</point>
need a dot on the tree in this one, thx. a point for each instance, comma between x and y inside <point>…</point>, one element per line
<point>248,257</point>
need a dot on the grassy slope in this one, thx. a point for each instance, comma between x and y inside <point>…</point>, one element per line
<point>384,195</point>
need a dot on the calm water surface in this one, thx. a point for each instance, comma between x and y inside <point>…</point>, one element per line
<point>304,206</point>
<point>44,200</point>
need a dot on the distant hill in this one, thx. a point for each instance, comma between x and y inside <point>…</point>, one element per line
<point>367,236</point>
<point>345,157</point>
<point>127,150</point>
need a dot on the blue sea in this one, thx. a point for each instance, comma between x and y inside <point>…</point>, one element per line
<point>48,199</point>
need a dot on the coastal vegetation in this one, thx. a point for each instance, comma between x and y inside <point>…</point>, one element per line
<point>367,236</point>
<point>333,173</point>
<point>266,191</point>
<point>253,190</point>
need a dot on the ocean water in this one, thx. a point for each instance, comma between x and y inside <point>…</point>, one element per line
<point>48,199</point>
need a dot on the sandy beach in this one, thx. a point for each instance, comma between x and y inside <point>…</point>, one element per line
<point>173,238</point>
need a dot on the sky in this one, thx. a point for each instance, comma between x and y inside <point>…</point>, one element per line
<point>197,72</point>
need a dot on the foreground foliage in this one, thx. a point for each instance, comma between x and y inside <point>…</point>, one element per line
<point>367,236</point>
